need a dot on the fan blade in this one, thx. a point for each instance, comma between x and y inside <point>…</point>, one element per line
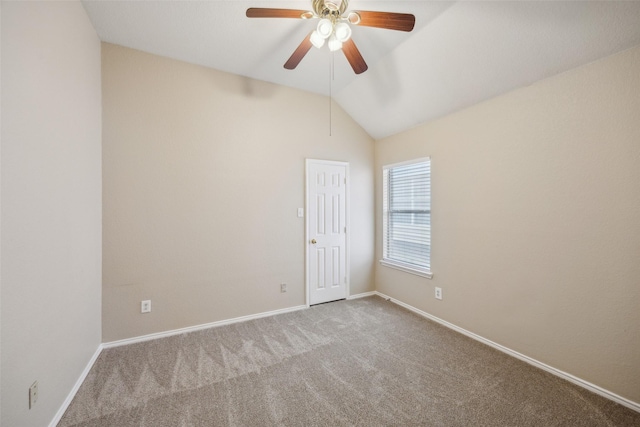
<point>299,53</point>
<point>387,20</point>
<point>260,12</point>
<point>354,57</point>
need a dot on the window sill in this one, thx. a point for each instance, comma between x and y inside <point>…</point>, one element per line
<point>407,269</point>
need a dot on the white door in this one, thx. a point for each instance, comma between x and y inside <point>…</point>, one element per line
<point>327,272</point>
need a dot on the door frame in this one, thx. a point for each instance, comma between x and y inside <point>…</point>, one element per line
<point>347,248</point>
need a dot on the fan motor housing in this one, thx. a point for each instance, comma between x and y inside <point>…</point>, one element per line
<point>327,8</point>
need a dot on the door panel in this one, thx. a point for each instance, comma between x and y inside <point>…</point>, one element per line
<point>326,237</point>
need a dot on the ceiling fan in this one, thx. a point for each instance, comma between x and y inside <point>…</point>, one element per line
<point>334,28</point>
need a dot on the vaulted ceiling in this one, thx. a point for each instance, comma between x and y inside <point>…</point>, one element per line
<point>459,53</point>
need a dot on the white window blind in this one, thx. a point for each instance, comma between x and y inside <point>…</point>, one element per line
<point>407,216</point>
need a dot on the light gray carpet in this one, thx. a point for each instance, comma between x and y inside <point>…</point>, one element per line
<point>365,362</point>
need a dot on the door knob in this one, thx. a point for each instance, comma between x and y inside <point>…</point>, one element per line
<point>313,241</point>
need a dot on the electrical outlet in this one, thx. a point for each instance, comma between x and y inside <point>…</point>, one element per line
<point>33,394</point>
<point>438,293</point>
<point>283,287</point>
<point>145,306</point>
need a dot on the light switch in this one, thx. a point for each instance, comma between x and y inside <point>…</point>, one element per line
<point>300,212</point>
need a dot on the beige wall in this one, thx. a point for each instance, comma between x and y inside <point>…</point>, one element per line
<point>203,175</point>
<point>51,204</point>
<point>536,230</point>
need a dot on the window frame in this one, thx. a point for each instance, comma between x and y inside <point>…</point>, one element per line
<point>393,263</point>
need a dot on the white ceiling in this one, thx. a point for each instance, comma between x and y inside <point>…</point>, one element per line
<point>459,53</point>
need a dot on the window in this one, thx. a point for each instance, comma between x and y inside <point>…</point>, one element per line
<point>406,210</point>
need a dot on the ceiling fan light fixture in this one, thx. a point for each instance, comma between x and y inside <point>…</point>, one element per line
<point>325,28</point>
<point>335,28</point>
<point>334,44</point>
<point>342,32</point>
<point>316,39</point>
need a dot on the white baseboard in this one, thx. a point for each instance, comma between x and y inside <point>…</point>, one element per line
<point>74,390</point>
<point>164,334</point>
<point>557,372</point>
<point>362,295</point>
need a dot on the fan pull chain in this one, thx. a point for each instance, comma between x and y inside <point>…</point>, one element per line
<point>331,77</point>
